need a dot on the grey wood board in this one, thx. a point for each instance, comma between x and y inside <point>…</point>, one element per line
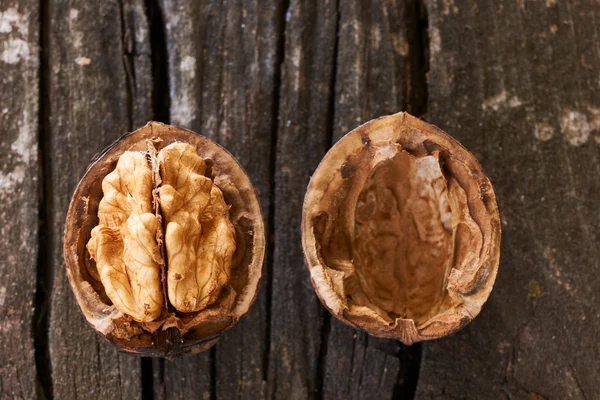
<point>517,83</point>
<point>19,194</point>
<point>97,88</point>
<point>223,66</point>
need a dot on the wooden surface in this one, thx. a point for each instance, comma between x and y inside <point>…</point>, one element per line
<point>19,194</point>
<point>276,83</point>
<point>91,80</point>
<point>518,83</point>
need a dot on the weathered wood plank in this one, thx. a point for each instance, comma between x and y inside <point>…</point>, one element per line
<point>372,62</point>
<point>19,194</point>
<point>183,378</point>
<point>138,61</point>
<point>98,88</point>
<point>222,62</point>
<point>305,125</point>
<point>250,67</point>
<point>517,83</point>
<point>371,69</point>
<point>185,26</point>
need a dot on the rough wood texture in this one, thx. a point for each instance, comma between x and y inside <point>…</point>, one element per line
<point>305,118</point>
<point>97,63</point>
<point>222,63</point>
<point>186,378</point>
<point>19,194</point>
<point>183,24</point>
<point>517,83</point>
<point>276,82</point>
<point>371,66</point>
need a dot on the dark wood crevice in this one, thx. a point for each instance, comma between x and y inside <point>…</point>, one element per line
<point>161,102</point>
<point>332,85</point>
<point>322,369</point>
<point>213,373</point>
<point>415,97</point>
<point>45,241</point>
<point>326,319</point>
<point>417,67</point>
<point>152,372</point>
<point>268,281</point>
<point>408,376</point>
<point>147,379</point>
<point>128,64</point>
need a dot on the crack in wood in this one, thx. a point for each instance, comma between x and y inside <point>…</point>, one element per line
<point>128,65</point>
<point>408,375</point>
<point>321,370</point>
<point>326,327</point>
<point>417,68</point>
<point>332,85</point>
<point>268,282</point>
<point>415,96</point>
<point>213,373</point>
<point>161,102</point>
<point>160,112</point>
<point>147,379</point>
<point>44,264</point>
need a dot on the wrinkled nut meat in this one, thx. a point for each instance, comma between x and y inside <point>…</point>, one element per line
<point>401,231</point>
<point>124,242</point>
<point>199,238</point>
<point>164,242</point>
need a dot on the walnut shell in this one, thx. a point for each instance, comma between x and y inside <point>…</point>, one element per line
<point>173,332</point>
<point>401,231</point>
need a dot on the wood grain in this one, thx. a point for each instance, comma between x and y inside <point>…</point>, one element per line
<point>98,87</point>
<point>19,194</point>
<point>517,83</point>
<point>371,68</point>
<point>277,83</point>
<point>185,26</point>
<point>223,66</point>
<point>305,118</point>
<point>250,70</point>
<point>184,378</point>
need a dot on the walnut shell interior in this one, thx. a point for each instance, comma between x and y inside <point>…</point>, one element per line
<point>173,332</point>
<point>401,230</point>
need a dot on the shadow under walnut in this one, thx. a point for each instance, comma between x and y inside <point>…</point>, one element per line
<point>186,328</point>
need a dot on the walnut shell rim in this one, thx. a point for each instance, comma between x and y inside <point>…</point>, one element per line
<point>465,290</point>
<point>180,333</point>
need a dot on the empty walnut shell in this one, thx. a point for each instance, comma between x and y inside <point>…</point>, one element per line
<point>401,231</point>
<point>173,332</point>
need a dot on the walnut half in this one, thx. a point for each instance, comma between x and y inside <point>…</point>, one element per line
<point>124,242</point>
<point>401,231</point>
<point>164,242</point>
<point>200,239</point>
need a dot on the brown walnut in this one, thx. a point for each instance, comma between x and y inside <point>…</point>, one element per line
<point>199,238</point>
<point>164,242</point>
<point>401,231</point>
<point>124,244</point>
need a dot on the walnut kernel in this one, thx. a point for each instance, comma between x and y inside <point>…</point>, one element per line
<point>199,237</point>
<point>124,242</point>
<point>164,242</point>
